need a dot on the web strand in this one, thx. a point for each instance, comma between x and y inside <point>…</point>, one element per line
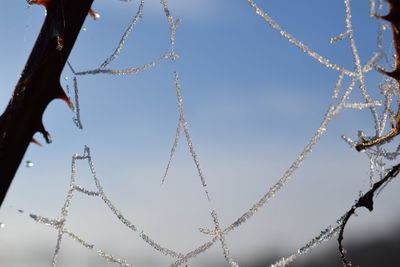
<point>296,42</point>
<point>185,126</point>
<point>77,118</point>
<point>345,84</point>
<point>121,43</point>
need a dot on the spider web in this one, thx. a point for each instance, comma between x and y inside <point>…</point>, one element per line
<point>348,81</point>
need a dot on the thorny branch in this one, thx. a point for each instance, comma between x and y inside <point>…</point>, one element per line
<point>366,201</point>
<point>394,18</point>
<point>39,83</point>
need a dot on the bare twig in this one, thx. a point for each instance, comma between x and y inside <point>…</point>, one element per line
<point>394,18</point>
<point>366,201</point>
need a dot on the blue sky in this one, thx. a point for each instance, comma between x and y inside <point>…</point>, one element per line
<point>252,101</point>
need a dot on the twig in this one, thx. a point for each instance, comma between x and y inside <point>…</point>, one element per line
<point>366,201</point>
<point>394,18</point>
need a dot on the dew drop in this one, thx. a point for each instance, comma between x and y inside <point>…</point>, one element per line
<point>2,225</point>
<point>84,29</point>
<point>66,78</point>
<point>29,164</point>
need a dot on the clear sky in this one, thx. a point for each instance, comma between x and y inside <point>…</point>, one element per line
<point>252,101</point>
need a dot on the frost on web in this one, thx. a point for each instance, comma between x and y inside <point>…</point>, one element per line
<point>60,223</point>
<point>119,47</point>
<point>347,82</point>
<point>184,124</point>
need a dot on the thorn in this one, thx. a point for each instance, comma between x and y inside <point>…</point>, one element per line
<point>45,134</point>
<point>366,201</point>
<point>377,16</point>
<point>359,147</point>
<point>393,74</point>
<point>387,17</point>
<point>93,14</point>
<point>354,214</point>
<point>36,142</point>
<point>44,3</point>
<point>61,95</point>
<point>381,70</point>
<point>391,17</point>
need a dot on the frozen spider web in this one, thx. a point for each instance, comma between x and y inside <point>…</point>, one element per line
<point>348,81</point>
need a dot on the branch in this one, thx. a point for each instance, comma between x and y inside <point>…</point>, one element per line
<point>39,83</point>
<point>364,201</point>
<point>394,18</point>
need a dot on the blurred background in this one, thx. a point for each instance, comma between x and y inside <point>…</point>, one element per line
<point>252,101</point>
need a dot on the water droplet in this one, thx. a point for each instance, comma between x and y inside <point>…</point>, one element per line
<point>2,225</point>
<point>29,164</point>
<point>84,29</point>
<point>66,78</point>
